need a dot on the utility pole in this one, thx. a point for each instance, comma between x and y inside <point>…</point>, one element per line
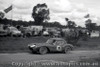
<point>12,16</point>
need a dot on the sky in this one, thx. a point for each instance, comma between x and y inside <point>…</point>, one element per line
<point>75,10</point>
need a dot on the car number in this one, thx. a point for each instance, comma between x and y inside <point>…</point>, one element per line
<point>59,48</point>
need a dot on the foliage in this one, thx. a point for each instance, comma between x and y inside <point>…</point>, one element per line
<point>66,19</point>
<point>14,23</point>
<point>1,15</point>
<point>72,36</point>
<point>70,24</point>
<point>52,24</point>
<point>89,25</point>
<point>28,23</point>
<point>40,13</point>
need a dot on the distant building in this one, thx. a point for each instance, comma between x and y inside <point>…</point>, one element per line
<point>95,33</point>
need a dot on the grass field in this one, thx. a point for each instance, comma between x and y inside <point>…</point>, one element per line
<point>18,44</point>
<point>90,44</point>
<point>13,44</point>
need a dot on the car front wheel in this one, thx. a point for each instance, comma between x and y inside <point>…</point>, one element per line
<point>43,50</point>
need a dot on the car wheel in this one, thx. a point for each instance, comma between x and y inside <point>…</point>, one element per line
<point>43,50</point>
<point>67,49</point>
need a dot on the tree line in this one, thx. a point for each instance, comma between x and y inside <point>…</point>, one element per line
<point>6,21</point>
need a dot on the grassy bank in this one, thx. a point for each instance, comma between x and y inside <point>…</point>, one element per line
<point>13,44</point>
<point>18,44</point>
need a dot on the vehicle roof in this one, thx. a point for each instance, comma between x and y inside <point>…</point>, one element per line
<point>12,27</point>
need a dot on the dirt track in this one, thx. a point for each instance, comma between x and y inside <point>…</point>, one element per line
<point>9,59</point>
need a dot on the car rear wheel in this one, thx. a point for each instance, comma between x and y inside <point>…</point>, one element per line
<point>67,49</point>
<point>43,50</point>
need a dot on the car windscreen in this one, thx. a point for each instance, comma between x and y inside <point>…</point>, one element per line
<point>49,41</point>
<point>59,42</point>
<point>13,29</point>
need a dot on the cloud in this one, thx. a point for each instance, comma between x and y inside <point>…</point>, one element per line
<point>61,6</point>
<point>65,9</point>
<point>59,10</point>
<point>95,19</point>
<point>22,11</point>
<point>81,8</point>
<point>22,4</point>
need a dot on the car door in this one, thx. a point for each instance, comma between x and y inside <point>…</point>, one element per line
<point>52,46</point>
<point>59,45</point>
<point>56,45</point>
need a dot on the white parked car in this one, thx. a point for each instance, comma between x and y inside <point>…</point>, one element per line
<point>45,33</point>
<point>13,31</point>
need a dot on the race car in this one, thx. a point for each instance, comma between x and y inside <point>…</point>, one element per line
<point>51,45</point>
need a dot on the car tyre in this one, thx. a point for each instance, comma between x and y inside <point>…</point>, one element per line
<point>67,49</point>
<point>43,50</point>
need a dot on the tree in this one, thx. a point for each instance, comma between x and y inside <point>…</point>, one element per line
<point>40,13</point>
<point>66,19</point>
<point>79,27</point>
<point>56,24</point>
<point>70,24</point>
<point>1,15</point>
<point>89,25</point>
<point>88,21</point>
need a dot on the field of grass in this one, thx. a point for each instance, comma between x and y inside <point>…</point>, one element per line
<point>18,44</point>
<point>13,44</point>
<point>90,44</point>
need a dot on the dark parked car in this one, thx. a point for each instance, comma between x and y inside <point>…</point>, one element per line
<point>3,33</point>
<point>51,45</point>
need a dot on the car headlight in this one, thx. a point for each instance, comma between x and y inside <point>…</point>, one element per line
<point>19,31</point>
<point>32,45</point>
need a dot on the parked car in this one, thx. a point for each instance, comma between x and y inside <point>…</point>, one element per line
<point>13,31</point>
<point>45,33</point>
<point>2,31</point>
<point>26,31</point>
<point>54,33</point>
<point>37,30</point>
<point>51,45</point>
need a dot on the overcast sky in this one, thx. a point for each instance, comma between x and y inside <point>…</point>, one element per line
<point>59,9</point>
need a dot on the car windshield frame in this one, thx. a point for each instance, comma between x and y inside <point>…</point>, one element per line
<point>52,41</point>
